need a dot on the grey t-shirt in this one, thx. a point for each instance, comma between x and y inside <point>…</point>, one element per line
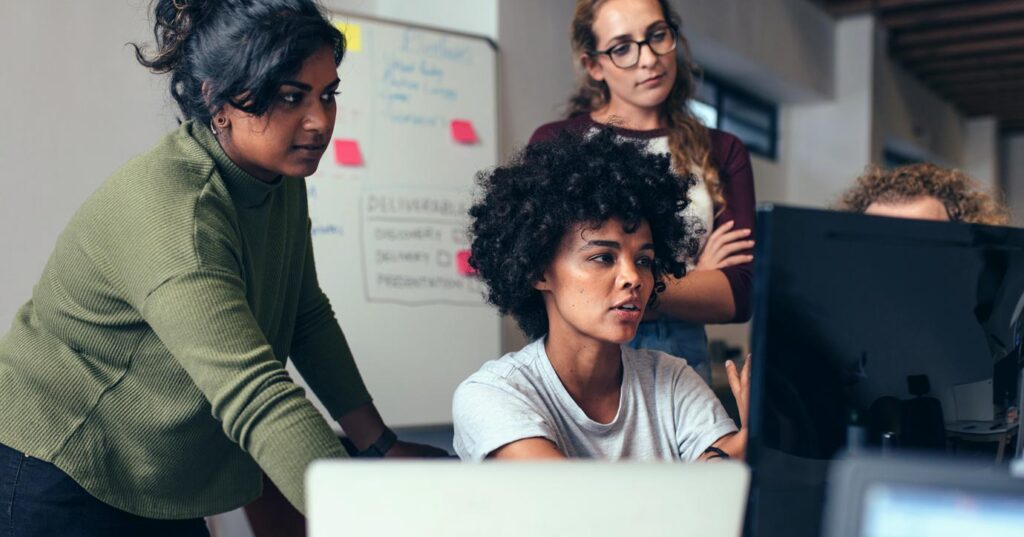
<point>666,412</point>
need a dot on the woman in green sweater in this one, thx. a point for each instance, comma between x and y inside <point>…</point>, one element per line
<point>143,386</point>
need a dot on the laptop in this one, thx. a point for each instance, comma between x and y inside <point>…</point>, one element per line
<point>516,499</point>
<point>906,496</point>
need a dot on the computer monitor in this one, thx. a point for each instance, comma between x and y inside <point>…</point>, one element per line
<point>921,497</point>
<point>866,332</point>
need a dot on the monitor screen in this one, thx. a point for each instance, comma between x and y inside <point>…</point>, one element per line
<point>871,333</point>
<point>917,511</point>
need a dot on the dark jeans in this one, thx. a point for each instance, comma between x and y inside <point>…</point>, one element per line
<point>37,499</point>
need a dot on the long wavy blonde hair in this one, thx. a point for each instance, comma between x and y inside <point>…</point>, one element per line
<point>688,139</point>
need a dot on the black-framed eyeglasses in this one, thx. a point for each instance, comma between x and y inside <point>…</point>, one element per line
<point>626,54</point>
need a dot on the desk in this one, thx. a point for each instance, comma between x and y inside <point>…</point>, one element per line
<point>983,431</point>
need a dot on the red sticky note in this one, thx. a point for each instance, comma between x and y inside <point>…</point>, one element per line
<point>346,153</point>
<point>462,263</point>
<point>462,131</point>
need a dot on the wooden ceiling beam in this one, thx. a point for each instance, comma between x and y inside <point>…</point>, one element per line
<point>959,12</point>
<point>988,112</point>
<point>940,65</point>
<point>991,102</point>
<point>969,52</point>
<point>981,88</point>
<point>996,104</point>
<point>957,33</point>
<point>840,8</point>
<point>1010,102</point>
<point>980,75</point>
<point>1013,43</point>
<point>1013,126</point>
<point>993,89</point>
<point>982,110</point>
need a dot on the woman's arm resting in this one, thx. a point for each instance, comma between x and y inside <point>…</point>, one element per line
<point>703,296</point>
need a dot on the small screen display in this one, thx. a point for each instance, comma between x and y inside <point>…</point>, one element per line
<point>908,511</point>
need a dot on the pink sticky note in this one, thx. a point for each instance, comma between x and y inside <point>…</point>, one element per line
<point>462,131</point>
<point>462,263</point>
<point>346,153</point>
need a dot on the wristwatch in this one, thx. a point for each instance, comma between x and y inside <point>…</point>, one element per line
<point>716,453</point>
<point>380,446</point>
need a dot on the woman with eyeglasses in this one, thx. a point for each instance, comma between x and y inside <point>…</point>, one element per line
<point>636,75</point>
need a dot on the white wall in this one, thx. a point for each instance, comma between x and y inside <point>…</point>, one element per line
<point>981,152</point>
<point>770,183</point>
<point>477,17</point>
<point>780,49</point>
<point>1012,163</point>
<point>536,73</point>
<point>76,106</point>
<point>912,117</point>
<point>829,142</point>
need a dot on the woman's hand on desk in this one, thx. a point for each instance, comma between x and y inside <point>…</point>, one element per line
<point>363,425</point>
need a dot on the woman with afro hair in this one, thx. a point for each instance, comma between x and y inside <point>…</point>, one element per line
<point>573,238</point>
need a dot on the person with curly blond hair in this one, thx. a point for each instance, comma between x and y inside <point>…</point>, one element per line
<point>924,191</point>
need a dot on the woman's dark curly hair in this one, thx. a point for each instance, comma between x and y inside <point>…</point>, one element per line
<point>235,51</point>
<point>547,190</point>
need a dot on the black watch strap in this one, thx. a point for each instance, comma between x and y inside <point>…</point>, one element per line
<point>716,453</point>
<point>380,446</point>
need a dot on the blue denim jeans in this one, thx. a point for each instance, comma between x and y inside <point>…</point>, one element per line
<point>678,338</point>
<point>38,499</point>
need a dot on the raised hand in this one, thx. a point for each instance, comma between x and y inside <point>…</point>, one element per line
<point>739,383</point>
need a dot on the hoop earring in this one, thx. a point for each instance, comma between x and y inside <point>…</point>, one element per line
<point>219,121</point>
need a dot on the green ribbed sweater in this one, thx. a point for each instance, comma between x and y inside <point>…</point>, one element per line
<point>149,363</point>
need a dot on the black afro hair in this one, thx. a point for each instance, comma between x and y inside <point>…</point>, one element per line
<point>527,206</point>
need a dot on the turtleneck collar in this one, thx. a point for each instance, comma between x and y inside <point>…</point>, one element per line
<point>245,189</point>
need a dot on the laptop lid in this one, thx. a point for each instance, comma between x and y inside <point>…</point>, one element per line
<point>922,497</point>
<point>562,499</point>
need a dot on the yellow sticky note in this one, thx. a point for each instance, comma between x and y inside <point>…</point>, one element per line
<point>353,36</point>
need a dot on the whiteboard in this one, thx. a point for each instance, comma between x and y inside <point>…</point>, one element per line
<point>417,119</point>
